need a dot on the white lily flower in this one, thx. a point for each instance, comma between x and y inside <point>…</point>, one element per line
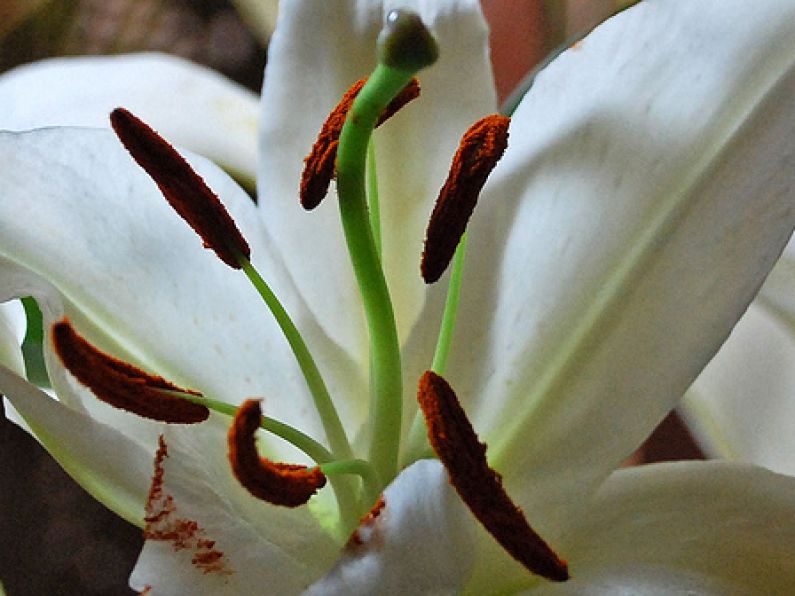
<point>647,189</point>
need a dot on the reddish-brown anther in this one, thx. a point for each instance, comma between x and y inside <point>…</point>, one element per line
<point>481,148</point>
<point>120,384</point>
<point>319,165</point>
<point>289,485</point>
<point>455,442</point>
<point>183,188</point>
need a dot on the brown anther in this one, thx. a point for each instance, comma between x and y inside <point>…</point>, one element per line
<point>319,165</point>
<point>183,188</point>
<point>457,446</point>
<point>481,148</point>
<point>120,384</point>
<point>289,485</point>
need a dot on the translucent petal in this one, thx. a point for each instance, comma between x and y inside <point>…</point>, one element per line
<point>12,332</point>
<point>742,406</point>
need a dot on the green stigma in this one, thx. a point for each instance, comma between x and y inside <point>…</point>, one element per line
<point>405,42</point>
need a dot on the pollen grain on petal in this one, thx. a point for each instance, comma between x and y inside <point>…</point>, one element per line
<point>183,188</point>
<point>480,487</point>
<point>319,165</point>
<point>120,384</point>
<point>367,532</point>
<point>289,485</point>
<point>164,523</point>
<point>481,148</point>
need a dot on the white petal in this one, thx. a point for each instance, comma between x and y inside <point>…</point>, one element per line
<point>12,332</point>
<point>694,528</point>
<point>112,468</point>
<point>261,544</point>
<point>778,293</point>
<point>418,543</point>
<point>317,52</point>
<point>743,405</point>
<point>191,105</point>
<point>647,191</point>
<point>135,280</point>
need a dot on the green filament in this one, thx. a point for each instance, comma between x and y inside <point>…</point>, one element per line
<point>445,340</point>
<point>295,437</point>
<point>335,433</point>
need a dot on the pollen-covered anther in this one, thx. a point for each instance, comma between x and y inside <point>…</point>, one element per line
<point>481,148</point>
<point>183,188</point>
<point>480,487</point>
<point>289,485</point>
<point>120,384</point>
<point>319,165</point>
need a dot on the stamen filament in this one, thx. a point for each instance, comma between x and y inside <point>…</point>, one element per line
<point>358,467</point>
<point>295,437</point>
<point>417,445</point>
<point>386,383</point>
<point>335,433</point>
<point>447,328</point>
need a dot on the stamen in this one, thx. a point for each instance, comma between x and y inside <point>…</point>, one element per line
<point>481,148</point>
<point>480,487</point>
<point>121,384</point>
<point>320,164</point>
<point>280,484</point>
<point>183,188</point>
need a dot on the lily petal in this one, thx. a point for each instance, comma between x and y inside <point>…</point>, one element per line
<point>695,528</point>
<point>12,332</point>
<point>778,293</point>
<point>415,542</point>
<point>135,281</point>
<point>170,93</point>
<point>317,51</point>
<point>742,406</point>
<point>117,476</point>
<point>654,169</point>
<point>212,535</point>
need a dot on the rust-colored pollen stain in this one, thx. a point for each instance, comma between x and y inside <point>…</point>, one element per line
<point>480,487</point>
<point>481,148</point>
<point>366,530</point>
<point>164,524</point>
<point>121,384</point>
<point>319,165</point>
<point>183,188</point>
<point>289,485</point>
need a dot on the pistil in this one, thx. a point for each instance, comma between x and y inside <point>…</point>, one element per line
<point>405,46</point>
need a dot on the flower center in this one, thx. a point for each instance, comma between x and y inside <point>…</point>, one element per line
<point>343,151</point>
